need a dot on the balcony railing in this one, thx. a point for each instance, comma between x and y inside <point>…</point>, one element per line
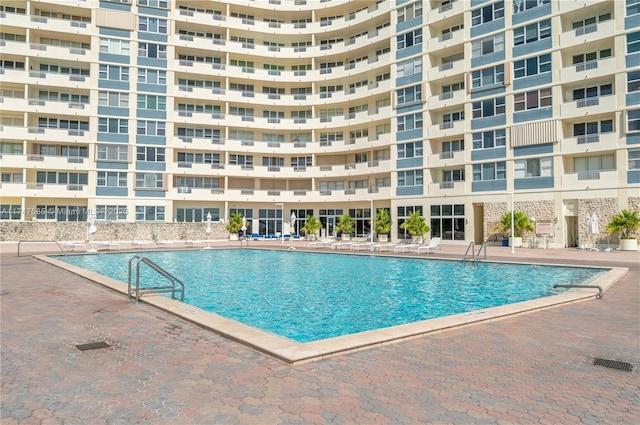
<point>589,175</point>
<point>590,138</point>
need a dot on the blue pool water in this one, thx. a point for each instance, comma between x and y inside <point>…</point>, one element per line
<point>311,296</point>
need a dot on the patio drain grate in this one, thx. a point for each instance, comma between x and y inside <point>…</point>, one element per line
<point>92,346</point>
<point>613,364</point>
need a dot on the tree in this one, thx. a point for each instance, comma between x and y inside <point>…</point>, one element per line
<point>235,223</point>
<point>625,222</point>
<point>311,226</point>
<point>345,224</point>
<point>416,224</point>
<point>521,224</point>
<point>382,222</point>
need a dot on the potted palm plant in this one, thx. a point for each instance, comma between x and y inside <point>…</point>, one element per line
<point>345,226</point>
<point>416,225</point>
<point>311,227</point>
<point>234,225</point>
<point>625,223</point>
<point>382,224</point>
<point>521,224</point>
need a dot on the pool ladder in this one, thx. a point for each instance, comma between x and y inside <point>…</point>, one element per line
<point>139,291</point>
<point>473,256</point>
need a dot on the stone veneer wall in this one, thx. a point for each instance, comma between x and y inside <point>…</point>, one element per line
<point>108,231</point>
<point>604,209</point>
<point>543,211</point>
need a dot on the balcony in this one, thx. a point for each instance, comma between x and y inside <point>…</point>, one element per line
<point>576,73</point>
<point>590,142</point>
<point>447,188</point>
<point>588,33</point>
<point>587,180</point>
<point>445,159</point>
<point>589,106</point>
<point>446,129</point>
<point>446,69</point>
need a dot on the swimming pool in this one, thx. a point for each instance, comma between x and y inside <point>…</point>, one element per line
<point>308,297</point>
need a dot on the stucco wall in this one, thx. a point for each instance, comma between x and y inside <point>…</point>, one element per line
<point>542,211</point>
<point>109,231</point>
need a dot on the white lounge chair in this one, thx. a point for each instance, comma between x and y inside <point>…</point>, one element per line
<point>139,243</point>
<point>433,245</point>
<point>406,246</point>
<point>108,245</point>
<point>74,246</point>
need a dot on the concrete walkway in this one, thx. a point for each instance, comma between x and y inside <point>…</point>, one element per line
<point>529,369</point>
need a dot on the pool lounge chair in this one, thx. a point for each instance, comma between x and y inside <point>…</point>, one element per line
<point>337,246</point>
<point>138,244</point>
<point>433,245</point>
<point>406,246</point>
<point>110,246</point>
<point>74,246</point>
<point>383,246</point>
<point>322,243</point>
<point>192,243</point>
<point>365,246</point>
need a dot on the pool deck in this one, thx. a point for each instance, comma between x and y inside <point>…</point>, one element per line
<point>159,369</point>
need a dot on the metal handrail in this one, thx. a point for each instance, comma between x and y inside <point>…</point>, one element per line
<point>483,248</point>
<point>56,242</point>
<point>466,253</point>
<point>152,289</point>
<point>599,288</point>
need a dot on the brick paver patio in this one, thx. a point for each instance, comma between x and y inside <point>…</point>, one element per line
<point>528,369</point>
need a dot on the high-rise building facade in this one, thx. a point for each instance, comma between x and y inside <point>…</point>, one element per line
<point>159,110</point>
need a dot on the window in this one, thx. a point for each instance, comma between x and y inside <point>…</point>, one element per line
<point>534,167</point>
<point>51,177</point>
<point>112,178</point>
<point>586,59</point>
<point>592,127</point>
<point>149,181</point>
<point>62,124</point>
<point>114,46</point>
<point>150,50</point>
<point>533,32</point>
<point>488,107</point>
<point>301,162</point>
<point>489,171</point>
<point>10,212</point>
<point>326,139</point>
<point>409,95</point>
<point>633,120</point>
<point>489,139</point>
<point>112,98</point>
<point>634,159</point>
<point>410,178</point>
<point>152,102</point>
<point>112,153</point>
<point>111,212</point>
<point>152,76</point>
<point>74,151</point>
<point>61,213</point>
<point>633,42</point>
<point>487,14</point>
<point>410,11</point>
<point>409,67</point>
<point>451,117</point>
<point>245,113</point>
<point>522,5</point>
<point>160,4</point>
<point>487,77</point>
<point>532,66</point>
<point>6,64</point>
<point>49,41</point>
<point>151,128</point>
<point>114,73</point>
<point>243,160</point>
<point>633,81</point>
<point>487,45</point>
<point>446,91</point>
<point>150,154</point>
<point>409,150</point>
<point>409,39</point>
<point>198,182</point>
<point>153,25</point>
<point>58,69</point>
<point>532,100</point>
<point>113,125</point>
<point>594,163</point>
<point>456,175</point>
<point>197,215</point>
<point>451,146</point>
<point>198,158</point>
<point>410,122</point>
<point>633,7</point>
<point>200,133</point>
<point>447,33</point>
<point>585,94</point>
<point>448,221</point>
<point>149,213</point>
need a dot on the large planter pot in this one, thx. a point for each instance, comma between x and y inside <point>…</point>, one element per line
<point>233,237</point>
<point>383,238</point>
<point>628,244</point>
<point>515,242</point>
